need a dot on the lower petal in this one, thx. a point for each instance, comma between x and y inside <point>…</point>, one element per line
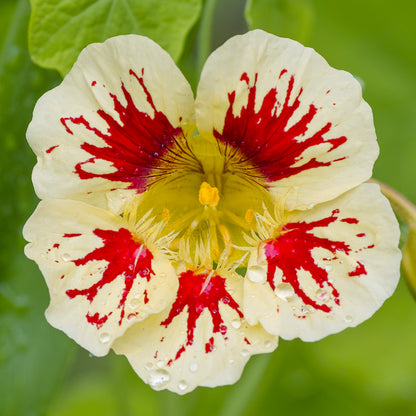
<point>330,268</point>
<point>201,339</point>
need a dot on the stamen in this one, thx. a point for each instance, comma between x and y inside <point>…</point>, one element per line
<point>208,195</point>
<point>249,215</point>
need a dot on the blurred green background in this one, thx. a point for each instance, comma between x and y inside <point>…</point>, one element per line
<point>368,370</point>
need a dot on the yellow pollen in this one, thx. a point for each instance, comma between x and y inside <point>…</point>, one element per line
<point>249,215</point>
<point>166,214</point>
<point>208,195</point>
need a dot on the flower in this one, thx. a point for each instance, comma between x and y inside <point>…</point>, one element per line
<point>154,205</point>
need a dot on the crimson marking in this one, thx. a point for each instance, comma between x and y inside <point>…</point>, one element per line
<point>195,294</point>
<point>292,251</point>
<point>134,145</point>
<point>126,259</point>
<point>265,138</point>
<point>72,235</point>
<point>52,148</point>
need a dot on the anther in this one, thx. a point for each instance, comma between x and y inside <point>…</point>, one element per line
<point>208,195</point>
<point>249,215</point>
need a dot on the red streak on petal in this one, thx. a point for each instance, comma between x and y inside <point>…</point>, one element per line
<point>126,259</point>
<point>209,346</point>
<point>96,319</point>
<point>52,148</point>
<point>196,295</point>
<point>72,235</point>
<point>359,270</point>
<point>350,220</point>
<point>361,235</point>
<point>292,251</point>
<point>266,139</point>
<point>134,144</point>
<point>146,297</point>
<point>247,341</point>
<point>56,245</point>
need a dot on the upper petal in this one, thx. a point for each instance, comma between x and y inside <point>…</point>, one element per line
<point>301,124</point>
<point>101,275</point>
<point>202,339</point>
<point>117,116</point>
<point>330,268</point>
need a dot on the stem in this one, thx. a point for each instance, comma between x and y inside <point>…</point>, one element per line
<point>204,35</point>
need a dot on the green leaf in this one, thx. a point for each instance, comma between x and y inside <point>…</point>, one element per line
<point>33,356</point>
<point>286,18</point>
<point>60,29</point>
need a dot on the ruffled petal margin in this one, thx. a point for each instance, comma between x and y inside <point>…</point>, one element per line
<point>330,268</point>
<point>101,276</point>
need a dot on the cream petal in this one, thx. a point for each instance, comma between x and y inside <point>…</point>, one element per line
<point>114,119</point>
<point>331,267</point>
<point>202,339</point>
<point>102,279</point>
<point>301,123</point>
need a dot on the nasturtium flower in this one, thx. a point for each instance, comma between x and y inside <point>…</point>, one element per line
<point>191,234</point>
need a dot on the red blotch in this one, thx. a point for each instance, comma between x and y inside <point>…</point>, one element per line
<point>209,346</point>
<point>359,270</point>
<point>56,245</point>
<point>96,319</point>
<point>127,259</point>
<point>52,148</point>
<point>292,251</point>
<point>134,144</point>
<point>72,235</point>
<point>247,341</point>
<point>195,294</point>
<point>265,138</point>
<point>361,235</point>
<point>350,220</point>
<point>93,83</point>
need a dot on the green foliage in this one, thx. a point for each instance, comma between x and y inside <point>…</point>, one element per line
<point>60,29</point>
<point>33,356</point>
<point>286,18</point>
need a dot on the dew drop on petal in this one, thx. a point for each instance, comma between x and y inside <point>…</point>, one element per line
<point>348,319</point>
<point>236,323</point>
<point>104,337</point>
<point>158,379</point>
<point>257,274</point>
<point>193,367</point>
<point>160,364</point>
<point>231,361</point>
<point>182,385</point>
<point>149,366</point>
<point>135,302</point>
<point>267,343</point>
<point>322,295</point>
<point>284,291</point>
<point>66,257</point>
<point>245,353</point>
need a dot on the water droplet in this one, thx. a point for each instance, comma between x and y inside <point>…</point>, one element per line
<point>104,337</point>
<point>267,343</point>
<point>193,367</point>
<point>307,309</point>
<point>162,274</point>
<point>284,291</point>
<point>182,385</point>
<point>257,274</point>
<point>66,257</point>
<point>322,295</point>
<point>149,366</point>
<point>348,319</point>
<point>245,353</point>
<point>160,364</point>
<point>236,323</point>
<point>158,379</point>
<point>231,361</point>
<point>328,268</point>
<point>135,302</point>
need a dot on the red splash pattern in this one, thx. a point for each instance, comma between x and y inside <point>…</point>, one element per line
<point>127,259</point>
<point>134,144</point>
<point>292,251</point>
<point>265,138</point>
<point>197,292</point>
